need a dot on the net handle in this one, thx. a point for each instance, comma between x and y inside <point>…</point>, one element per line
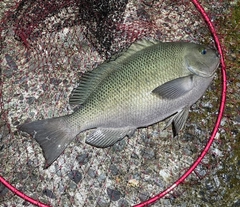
<point>220,114</point>
<point>205,150</point>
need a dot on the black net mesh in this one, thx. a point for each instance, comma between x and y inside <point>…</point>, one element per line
<point>46,46</point>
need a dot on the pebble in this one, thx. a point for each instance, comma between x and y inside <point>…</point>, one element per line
<point>200,170</point>
<point>237,119</point>
<point>113,169</point>
<point>119,146</point>
<point>134,156</point>
<point>142,14</point>
<point>143,196</point>
<point>11,63</point>
<point>148,2</point>
<point>22,176</point>
<point>48,193</point>
<point>30,100</point>
<point>3,190</point>
<point>24,203</point>
<point>113,194</point>
<point>158,182</point>
<point>61,187</point>
<point>123,203</point>
<point>236,204</point>
<point>83,158</point>
<point>144,138</point>
<point>92,173</point>
<point>148,153</point>
<point>209,185</point>
<point>101,202</point>
<point>55,81</point>
<point>102,177</point>
<point>8,73</point>
<point>165,175</point>
<point>216,179</point>
<point>75,176</point>
<point>72,185</point>
<point>58,170</point>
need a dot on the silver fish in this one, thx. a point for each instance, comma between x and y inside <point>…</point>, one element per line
<point>148,83</point>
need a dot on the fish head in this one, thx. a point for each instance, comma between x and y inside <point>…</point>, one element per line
<point>201,60</point>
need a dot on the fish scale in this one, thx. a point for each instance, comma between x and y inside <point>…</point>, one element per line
<point>147,83</point>
<point>130,79</point>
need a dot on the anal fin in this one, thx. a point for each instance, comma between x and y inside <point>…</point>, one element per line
<point>105,137</point>
<point>178,120</point>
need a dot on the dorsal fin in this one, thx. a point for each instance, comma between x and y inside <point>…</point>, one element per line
<point>136,47</point>
<point>88,83</point>
<point>91,80</point>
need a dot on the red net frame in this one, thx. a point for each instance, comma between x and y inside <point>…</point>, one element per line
<point>205,150</point>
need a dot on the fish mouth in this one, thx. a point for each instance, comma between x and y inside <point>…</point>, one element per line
<point>201,73</point>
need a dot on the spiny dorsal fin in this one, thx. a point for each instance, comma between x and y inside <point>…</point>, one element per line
<point>136,47</point>
<point>91,80</point>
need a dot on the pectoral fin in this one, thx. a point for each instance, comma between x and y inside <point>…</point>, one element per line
<point>175,88</point>
<point>178,120</point>
<point>105,137</point>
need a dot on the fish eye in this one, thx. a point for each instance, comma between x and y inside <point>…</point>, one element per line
<point>203,51</point>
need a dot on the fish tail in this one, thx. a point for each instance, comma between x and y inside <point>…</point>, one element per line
<point>53,135</point>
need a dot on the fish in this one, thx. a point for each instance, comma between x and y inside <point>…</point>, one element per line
<point>149,82</point>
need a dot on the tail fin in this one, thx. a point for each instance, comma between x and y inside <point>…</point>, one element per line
<point>53,135</point>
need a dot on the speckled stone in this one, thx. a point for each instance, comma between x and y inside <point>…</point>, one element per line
<point>83,158</point>
<point>113,169</point>
<point>113,194</point>
<point>92,173</point>
<point>101,202</point>
<point>48,193</point>
<point>75,176</point>
<point>3,190</point>
<point>123,203</point>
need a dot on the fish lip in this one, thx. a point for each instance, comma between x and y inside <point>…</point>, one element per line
<point>200,73</point>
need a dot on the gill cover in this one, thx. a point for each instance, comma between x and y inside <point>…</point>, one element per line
<point>202,60</point>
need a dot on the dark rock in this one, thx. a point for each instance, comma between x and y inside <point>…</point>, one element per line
<point>113,169</point>
<point>134,156</point>
<point>237,119</point>
<point>11,63</point>
<point>148,153</point>
<point>92,173</point>
<point>120,145</point>
<point>143,196</point>
<point>101,202</point>
<point>113,194</point>
<point>3,190</point>
<point>30,100</point>
<point>142,14</point>
<point>55,81</point>
<point>75,176</point>
<point>48,193</point>
<point>83,159</point>
<point>123,203</point>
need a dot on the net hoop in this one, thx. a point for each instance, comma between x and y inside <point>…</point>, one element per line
<point>203,153</point>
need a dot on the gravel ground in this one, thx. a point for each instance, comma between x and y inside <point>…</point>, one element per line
<point>38,81</point>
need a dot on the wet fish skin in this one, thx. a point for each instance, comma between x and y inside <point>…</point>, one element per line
<point>146,84</point>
